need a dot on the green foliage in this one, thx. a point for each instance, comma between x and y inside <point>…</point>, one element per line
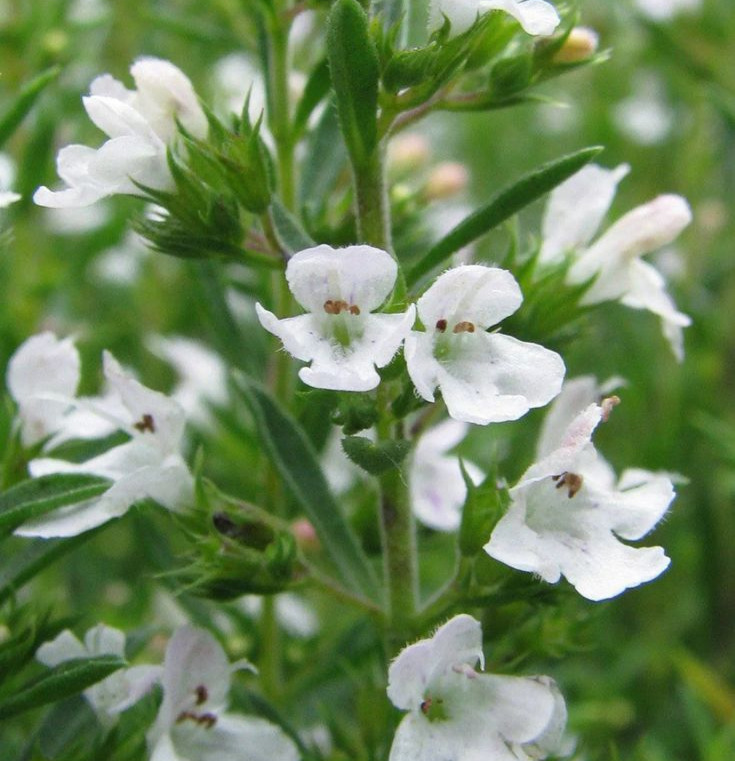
<point>375,458</point>
<point>24,102</point>
<point>297,465</point>
<point>501,207</point>
<point>60,682</point>
<point>353,64</point>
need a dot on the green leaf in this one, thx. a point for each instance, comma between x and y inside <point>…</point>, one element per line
<point>23,103</point>
<point>296,461</point>
<point>503,206</point>
<point>316,89</point>
<point>70,727</point>
<point>353,63</point>
<point>289,232</point>
<point>325,160</point>
<point>38,496</point>
<point>375,458</point>
<point>60,682</point>
<point>483,507</point>
<point>33,558</point>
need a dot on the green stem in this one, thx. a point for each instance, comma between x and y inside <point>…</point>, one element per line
<point>398,538</point>
<point>269,664</point>
<point>279,117</point>
<point>371,196</point>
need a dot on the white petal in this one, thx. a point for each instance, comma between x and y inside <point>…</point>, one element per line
<point>7,197</point>
<point>72,165</point>
<point>42,365</point>
<point>124,159</point>
<point>640,231</point>
<point>576,209</point>
<point>138,682</point>
<point>437,488</point>
<point>116,118</point>
<point>164,750</point>
<point>67,521</point>
<point>643,499</point>
<point>486,378</point>
<point>65,647</point>
<point>374,339</point>
<point>165,94</point>
<point>361,276</point>
<point>104,640</point>
<point>166,415</point>
<point>107,86</point>
<point>471,292</point>
<point>537,17</point>
<point>647,290</point>
<point>457,642</point>
<point>576,395</point>
<point>248,738</point>
<point>461,13</point>
<point>194,659</point>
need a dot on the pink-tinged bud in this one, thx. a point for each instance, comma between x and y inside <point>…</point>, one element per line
<point>408,152</point>
<point>581,43</point>
<point>446,180</point>
<point>305,534</point>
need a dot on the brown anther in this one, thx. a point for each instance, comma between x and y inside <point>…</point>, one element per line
<point>441,325</point>
<point>426,706</point>
<point>572,481</point>
<point>201,693</point>
<point>464,327</point>
<point>608,404</point>
<point>207,719</point>
<point>354,309</point>
<point>146,424</point>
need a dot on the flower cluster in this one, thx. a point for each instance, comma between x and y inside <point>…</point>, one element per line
<point>140,123</point>
<point>43,376</point>
<point>193,723</point>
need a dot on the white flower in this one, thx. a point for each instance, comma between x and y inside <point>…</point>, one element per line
<point>437,488</point>
<point>42,366</point>
<point>663,10</point>
<point>116,692</point>
<point>457,713</point>
<point>574,213</point>
<point>202,375</point>
<point>537,17</point>
<point>484,377</point>
<point>7,177</point>
<point>140,124</point>
<point>192,722</point>
<point>567,513</point>
<point>149,465</point>
<point>342,339</point>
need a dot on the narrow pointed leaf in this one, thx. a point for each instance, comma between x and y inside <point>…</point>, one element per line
<point>35,556</point>
<point>23,103</point>
<point>60,682</point>
<point>296,462</point>
<point>38,496</point>
<point>289,232</point>
<point>315,91</point>
<point>503,206</point>
<point>353,65</point>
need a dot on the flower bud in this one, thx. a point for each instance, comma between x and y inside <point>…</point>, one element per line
<point>408,152</point>
<point>580,44</point>
<point>446,180</point>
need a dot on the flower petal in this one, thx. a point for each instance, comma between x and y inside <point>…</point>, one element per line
<point>537,17</point>
<point>472,293</point>
<point>576,209</point>
<point>117,118</point>
<point>487,378</point>
<point>64,647</point>
<point>42,365</point>
<point>360,276</point>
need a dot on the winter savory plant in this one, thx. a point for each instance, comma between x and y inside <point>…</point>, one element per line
<point>341,448</point>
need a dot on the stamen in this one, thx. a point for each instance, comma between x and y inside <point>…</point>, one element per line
<point>441,325</point>
<point>464,327</point>
<point>426,706</point>
<point>332,306</point>
<point>207,720</point>
<point>608,404</point>
<point>572,481</point>
<point>146,424</point>
<point>201,693</point>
